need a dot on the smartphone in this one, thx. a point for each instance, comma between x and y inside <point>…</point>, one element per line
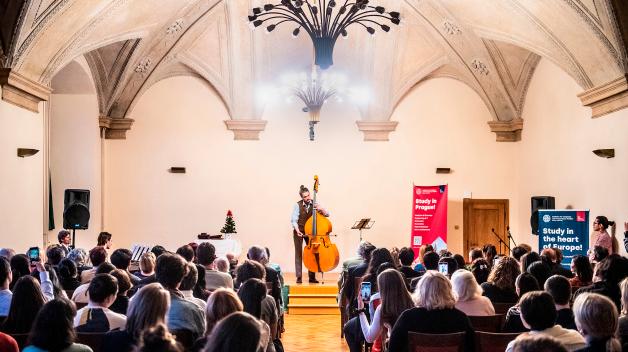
<point>443,268</point>
<point>496,260</point>
<point>365,291</point>
<point>33,254</point>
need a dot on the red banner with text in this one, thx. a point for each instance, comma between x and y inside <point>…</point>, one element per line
<point>429,217</point>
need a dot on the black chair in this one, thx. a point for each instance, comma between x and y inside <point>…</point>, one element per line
<point>418,342</point>
<point>502,308</point>
<point>493,342</point>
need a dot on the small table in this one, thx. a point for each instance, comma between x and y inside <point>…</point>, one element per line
<point>224,246</point>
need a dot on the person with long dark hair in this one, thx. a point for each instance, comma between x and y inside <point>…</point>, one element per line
<point>583,271</point>
<point>500,286</point>
<point>26,303</point>
<point>239,331</point>
<point>20,266</point>
<point>68,275</point>
<point>378,257</point>
<point>53,330</point>
<point>252,292</point>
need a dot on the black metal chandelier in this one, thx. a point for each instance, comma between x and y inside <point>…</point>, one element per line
<point>324,26</point>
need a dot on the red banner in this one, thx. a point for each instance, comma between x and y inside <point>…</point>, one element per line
<point>429,217</point>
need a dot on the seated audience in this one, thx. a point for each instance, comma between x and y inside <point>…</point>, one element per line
<point>537,343</point>
<point>525,283</point>
<point>53,329</point>
<point>206,254</point>
<point>81,294</point>
<point>26,303</point>
<point>188,284</point>
<point>147,265</point>
<point>539,315</point>
<point>252,293</point>
<point>460,261</point>
<point>222,264</point>
<point>7,253</point>
<point>480,270</point>
<point>220,304</point>
<point>239,331</point>
<point>121,259</point>
<point>475,253</point>
<point>468,293</point>
<point>558,268</point>
<point>68,275</point>
<point>582,270</point>
<point>394,300</point>
<point>500,286</point>
<point>277,267</point>
<point>452,265</point>
<point>79,256</point>
<point>528,259</point>
<point>97,256</point>
<point>559,288</point>
<point>517,252</point>
<point>54,255</point>
<point>420,266</point>
<point>8,344</point>
<point>20,266</point>
<point>147,310</point>
<point>406,257</point>
<point>435,313</point>
<point>598,254</point>
<point>378,257</point>
<point>258,254</point>
<point>121,303</point>
<point>6,276</point>
<point>540,270</point>
<point>183,314</point>
<point>489,252</point>
<point>187,252</point>
<point>609,273</point>
<point>158,250</point>
<point>96,316</point>
<point>596,318</point>
<point>158,339</point>
<point>364,251</point>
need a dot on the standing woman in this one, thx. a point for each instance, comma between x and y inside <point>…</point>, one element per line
<point>600,237</point>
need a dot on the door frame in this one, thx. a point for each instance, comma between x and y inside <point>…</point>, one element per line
<point>467,203</point>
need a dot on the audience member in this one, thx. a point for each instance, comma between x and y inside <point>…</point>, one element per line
<point>420,266</point>
<point>539,315</point>
<point>430,261</point>
<point>8,344</point>
<point>596,318</point>
<point>489,252</point>
<point>598,254</point>
<point>199,291</point>
<point>275,266</point>
<point>378,257</point>
<point>81,294</point>
<point>526,246</point>
<point>206,254</point>
<point>97,256</point>
<point>582,270</point>
<point>258,254</point>
<point>104,240</point>
<point>460,261</point>
<point>26,303</point>
<point>541,271</point>
<point>558,268</point>
<point>475,253</point>
<point>452,265</point>
<point>20,266</point>
<point>6,276</point>
<point>364,251</point>
<point>517,252</point>
<point>79,256</point>
<point>480,270</point>
<point>609,273</point>
<point>233,263</point>
<point>158,250</point>
<point>435,313</point>
<point>183,314</point>
<point>528,259</point>
<point>468,293</point>
<point>406,257</point>
<point>7,253</point>
<point>68,275</point>
<point>64,242</point>
<point>121,259</point>
<point>622,330</point>
<point>121,304</point>
<point>158,339</point>
<point>500,286</point>
<point>222,264</point>
<point>147,310</point>
<point>559,288</point>
<point>187,252</point>
<point>239,331</point>
<point>188,284</point>
<point>252,293</point>
<point>147,265</point>
<point>525,283</point>
<point>537,343</point>
<point>54,255</point>
<point>220,304</point>
<point>53,329</point>
<point>96,316</point>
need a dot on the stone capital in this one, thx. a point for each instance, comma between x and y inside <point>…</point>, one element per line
<point>507,131</point>
<point>115,128</point>
<point>376,130</point>
<point>246,130</point>
<point>22,91</point>
<point>606,98</point>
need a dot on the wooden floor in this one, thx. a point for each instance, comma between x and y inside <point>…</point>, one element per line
<point>313,333</point>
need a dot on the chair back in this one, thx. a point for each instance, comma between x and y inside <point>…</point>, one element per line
<point>91,339</point>
<point>418,342</point>
<point>21,340</point>
<point>493,342</point>
<point>185,337</point>
<point>502,308</point>
<point>488,323</point>
<point>80,305</point>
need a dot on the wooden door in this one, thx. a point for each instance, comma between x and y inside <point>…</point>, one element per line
<point>479,217</point>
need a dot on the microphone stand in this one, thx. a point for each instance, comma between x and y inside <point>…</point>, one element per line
<point>500,241</point>
<point>510,236</point>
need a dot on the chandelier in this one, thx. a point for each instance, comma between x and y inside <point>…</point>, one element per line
<point>324,21</point>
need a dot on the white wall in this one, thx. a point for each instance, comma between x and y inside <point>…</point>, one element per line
<point>179,122</point>
<point>555,155</point>
<point>21,179</point>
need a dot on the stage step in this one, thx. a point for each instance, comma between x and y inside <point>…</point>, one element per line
<point>313,299</point>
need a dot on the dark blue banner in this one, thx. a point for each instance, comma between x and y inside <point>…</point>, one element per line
<point>567,230</point>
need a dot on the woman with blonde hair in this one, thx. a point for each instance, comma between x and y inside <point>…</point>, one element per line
<point>220,304</point>
<point>435,313</point>
<point>147,309</point>
<point>468,295</point>
<point>596,319</point>
<point>500,286</point>
<point>147,265</point>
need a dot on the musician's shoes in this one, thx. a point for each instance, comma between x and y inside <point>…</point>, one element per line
<point>299,281</point>
<point>313,281</point>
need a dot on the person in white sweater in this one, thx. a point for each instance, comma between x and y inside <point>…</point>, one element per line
<point>468,294</point>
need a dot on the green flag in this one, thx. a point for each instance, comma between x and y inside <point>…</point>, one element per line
<point>51,213</point>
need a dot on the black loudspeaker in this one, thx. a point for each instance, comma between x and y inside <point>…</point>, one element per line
<point>539,202</point>
<point>76,209</point>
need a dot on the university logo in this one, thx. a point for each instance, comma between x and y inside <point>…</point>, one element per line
<point>547,218</point>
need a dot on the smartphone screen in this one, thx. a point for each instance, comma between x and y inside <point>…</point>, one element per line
<point>496,260</point>
<point>443,268</point>
<point>365,291</point>
<point>33,254</point>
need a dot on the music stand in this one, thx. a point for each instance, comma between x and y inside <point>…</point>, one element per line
<point>363,224</point>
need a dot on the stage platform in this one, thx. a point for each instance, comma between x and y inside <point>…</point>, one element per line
<point>312,299</point>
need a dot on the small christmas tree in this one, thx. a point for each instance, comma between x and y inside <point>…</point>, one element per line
<point>229,224</point>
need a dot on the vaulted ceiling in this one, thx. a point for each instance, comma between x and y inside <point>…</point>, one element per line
<point>492,46</point>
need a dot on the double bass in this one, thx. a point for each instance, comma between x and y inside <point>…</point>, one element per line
<point>320,254</point>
